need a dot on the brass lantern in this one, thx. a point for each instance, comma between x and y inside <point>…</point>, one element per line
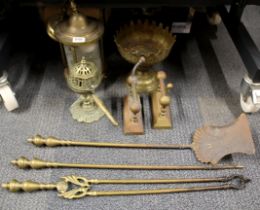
<point>80,40</point>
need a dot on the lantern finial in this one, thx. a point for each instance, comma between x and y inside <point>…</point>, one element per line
<point>73,7</point>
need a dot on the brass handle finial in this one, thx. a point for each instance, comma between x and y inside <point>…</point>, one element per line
<point>27,186</point>
<point>38,140</point>
<point>35,163</point>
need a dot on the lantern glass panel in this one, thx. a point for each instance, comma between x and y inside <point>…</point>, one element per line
<point>91,52</point>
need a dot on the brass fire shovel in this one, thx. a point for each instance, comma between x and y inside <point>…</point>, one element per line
<point>210,143</point>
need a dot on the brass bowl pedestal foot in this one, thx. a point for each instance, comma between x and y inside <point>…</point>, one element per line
<point>147,81</point>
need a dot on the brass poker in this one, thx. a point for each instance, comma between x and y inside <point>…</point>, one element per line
<point>36,163</point>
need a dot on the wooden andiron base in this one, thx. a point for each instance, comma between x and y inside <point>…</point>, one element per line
<point>161,115</point>
<point>133,122</point>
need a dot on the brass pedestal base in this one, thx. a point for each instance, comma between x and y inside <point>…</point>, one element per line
<point>147,81</point>
<point>84,109</point>
<point>133,123</point>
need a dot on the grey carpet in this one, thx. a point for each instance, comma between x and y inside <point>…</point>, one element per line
<point>206,80</point>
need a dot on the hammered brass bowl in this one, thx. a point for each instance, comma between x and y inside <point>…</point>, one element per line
<point>152,41</point>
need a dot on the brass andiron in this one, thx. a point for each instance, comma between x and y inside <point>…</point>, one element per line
<point>160,103</point>
<point>74,187</point>
<point>36,163</point>
<point>132,114</point>
<point>210,143</point>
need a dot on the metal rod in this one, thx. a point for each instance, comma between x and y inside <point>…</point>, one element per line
<point>133,76</point>
<point>54,142</point>
<point>157,191</point>
<point>157,181</point>
<point>39,164</point>
<point>143,167</point>
<point>104,109</point>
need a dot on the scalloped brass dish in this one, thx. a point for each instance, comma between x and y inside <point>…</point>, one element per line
<point>144,39</point>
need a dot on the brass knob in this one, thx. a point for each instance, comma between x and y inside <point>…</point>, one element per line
<point>131,80</point>
<point>161,75</point>
<point>165,101</point>
<point>135,107</point>
<point>169,86</point>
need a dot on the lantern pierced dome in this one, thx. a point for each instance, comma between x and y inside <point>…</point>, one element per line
<point>83,69</point>
<point>83,76</point>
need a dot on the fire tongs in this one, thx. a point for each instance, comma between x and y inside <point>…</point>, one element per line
<point>73,187</point>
